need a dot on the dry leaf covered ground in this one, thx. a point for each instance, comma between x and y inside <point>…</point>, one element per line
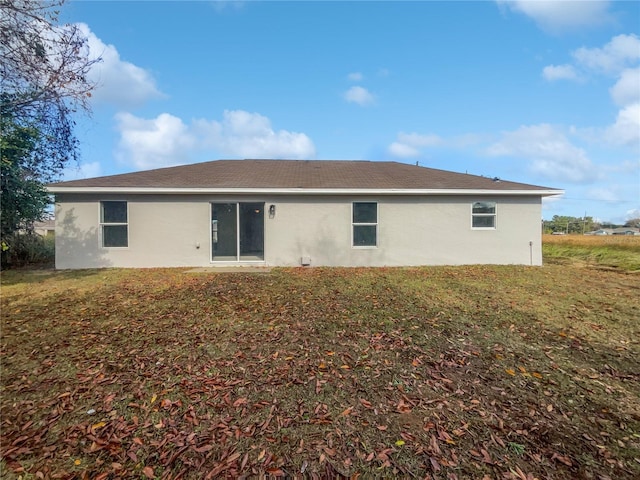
<point>441,372</point>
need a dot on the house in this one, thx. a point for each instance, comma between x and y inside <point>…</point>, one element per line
<point>625,231</point>
<point>616,231</point>
<point>296,212</point>
<point>44,228</point>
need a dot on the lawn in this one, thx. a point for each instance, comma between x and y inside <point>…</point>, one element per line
<point>500,372</point>
<point>621,252</point>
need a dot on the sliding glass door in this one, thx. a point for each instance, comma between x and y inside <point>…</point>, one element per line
<point>237,232</point>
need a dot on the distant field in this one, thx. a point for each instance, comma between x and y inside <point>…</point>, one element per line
<point>613,251</point>
<point>623,241</point>
<point>444,372</point>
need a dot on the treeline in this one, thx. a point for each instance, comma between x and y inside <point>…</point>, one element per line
<point>567,224</point>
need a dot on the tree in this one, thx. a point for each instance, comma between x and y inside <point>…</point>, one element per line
<point>24,198</point>
<point>43,74</point>
<point>567,224</point>
<point>633,222</point>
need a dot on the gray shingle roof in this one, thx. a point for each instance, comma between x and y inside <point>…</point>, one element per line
<point>304,174</point>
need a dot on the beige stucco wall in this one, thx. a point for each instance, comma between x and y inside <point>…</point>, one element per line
<point>174,230</point>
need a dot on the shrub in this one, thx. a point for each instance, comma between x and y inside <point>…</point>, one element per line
<point>22,249</point>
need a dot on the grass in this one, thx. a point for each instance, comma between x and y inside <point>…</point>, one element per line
<point>443,372</point>
<point>607,251</point>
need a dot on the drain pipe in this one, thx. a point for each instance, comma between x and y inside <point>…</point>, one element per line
<point>531,252</point>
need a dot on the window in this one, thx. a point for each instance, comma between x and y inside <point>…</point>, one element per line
<point>483,215</point>
<point>113,220</point>
<point>365,224</point>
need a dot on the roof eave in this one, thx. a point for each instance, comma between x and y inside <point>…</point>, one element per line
<point>299,191</point>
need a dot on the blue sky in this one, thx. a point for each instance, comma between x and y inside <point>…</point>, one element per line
<point>546,93</point>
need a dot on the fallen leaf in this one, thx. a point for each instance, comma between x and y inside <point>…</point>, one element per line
<point>346,412</point>
<point>562,459</point>
<point>240,401</point>
<point>148,472</point>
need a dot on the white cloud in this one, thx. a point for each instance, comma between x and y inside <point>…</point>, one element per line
<point>402,150</point>
<point>118,82</point>
<point>608,194</point>
<point>626,167</point>
<point>251,135</point>
<point>620,52</point>
<point>633,213</point>
<point>556,16</point>
<point>359,95</point>
<point>560,72</point>
<point>419,140</point>
<point>159,142</point>
<point>85,170</point>
<point>626,91</point>
<point>549,203</point>
<point>355,77</point>
<point>550,153</point>
<point>626,129</point>
<point>166,140</point>
<point>409,144</point>
<point>619,57</point>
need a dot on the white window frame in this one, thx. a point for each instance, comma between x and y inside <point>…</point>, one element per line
<point>494,215</point>
<point>112,224</point>
<point>354,224</point>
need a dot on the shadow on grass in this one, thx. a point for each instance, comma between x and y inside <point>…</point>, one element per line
<point>38,274</point>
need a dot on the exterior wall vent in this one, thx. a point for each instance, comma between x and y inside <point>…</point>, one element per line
<point>305,261</point>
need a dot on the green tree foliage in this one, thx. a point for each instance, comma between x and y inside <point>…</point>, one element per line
<point>24,198</point>
<point>567,224</point>
<point>43,79</point>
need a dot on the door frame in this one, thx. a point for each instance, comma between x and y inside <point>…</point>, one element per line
<point>238,260</point>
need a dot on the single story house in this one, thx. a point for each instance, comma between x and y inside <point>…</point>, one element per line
<point>296,212</point>
<point>616,231</point>
<point>45,228</point>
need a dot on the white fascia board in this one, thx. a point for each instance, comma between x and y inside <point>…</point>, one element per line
<point>297,191</point>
